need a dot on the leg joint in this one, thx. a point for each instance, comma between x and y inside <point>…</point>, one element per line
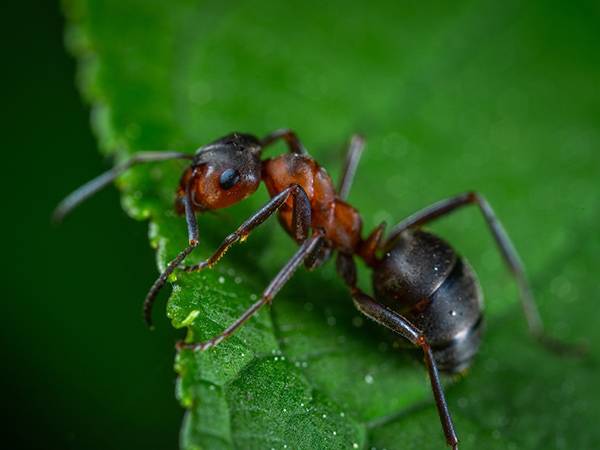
<point>474,196</point>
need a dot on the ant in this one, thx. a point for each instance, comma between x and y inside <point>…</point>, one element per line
<point>423,290</point>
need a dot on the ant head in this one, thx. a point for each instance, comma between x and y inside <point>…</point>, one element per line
<point>222,173</point>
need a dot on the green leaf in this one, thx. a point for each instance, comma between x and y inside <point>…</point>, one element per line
<point>502,98</point>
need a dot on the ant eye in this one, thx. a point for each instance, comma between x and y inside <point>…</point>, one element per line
<point>229,178</point>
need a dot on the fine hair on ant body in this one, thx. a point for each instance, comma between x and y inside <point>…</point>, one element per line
<point>423,290</point>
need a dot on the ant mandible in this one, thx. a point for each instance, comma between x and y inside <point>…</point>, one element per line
<point>423,290</point>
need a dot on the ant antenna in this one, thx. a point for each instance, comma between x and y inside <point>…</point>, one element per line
<point>91,187</point>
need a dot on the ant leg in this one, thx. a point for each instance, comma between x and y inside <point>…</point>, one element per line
<point>91,187</point>
<point>319,256</point>
<point>398,324</point>
<point>355,149</point>
<point>368,247</point>
<point>290,138</point>
<point>305,250</point>
<point>507,250</point>
<point>301,214</point>
<point>192,226</point>
<point>395,322</point>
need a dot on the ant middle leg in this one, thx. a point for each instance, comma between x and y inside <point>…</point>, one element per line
<point>308,247</point>
<point>507,250</point>
<point>400,325</point>
<point>301,217</point>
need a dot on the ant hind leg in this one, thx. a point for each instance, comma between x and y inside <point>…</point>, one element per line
<point>508,252</point>
<point>398,324</point>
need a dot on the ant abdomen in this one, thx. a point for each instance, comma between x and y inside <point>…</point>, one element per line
<point>422,278</point>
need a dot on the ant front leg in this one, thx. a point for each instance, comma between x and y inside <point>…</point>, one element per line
<point>192,226</point>
<point>308,248</point>
<point>301,220</point>
<point>507,250</point>
<point>400,325</point>
<point>290,138</point>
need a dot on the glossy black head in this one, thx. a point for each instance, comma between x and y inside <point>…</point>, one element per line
<point>223,172</point>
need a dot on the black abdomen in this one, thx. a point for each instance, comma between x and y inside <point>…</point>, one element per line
<point>422,278</point>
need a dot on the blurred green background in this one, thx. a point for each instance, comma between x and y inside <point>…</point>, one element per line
<point>500,98</point>
<point>71,379</point>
